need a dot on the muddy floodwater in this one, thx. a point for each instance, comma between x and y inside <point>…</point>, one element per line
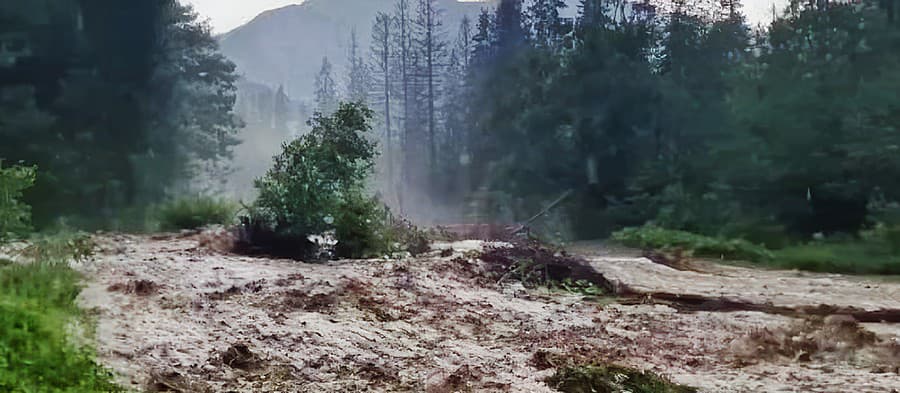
<point>174,314</point>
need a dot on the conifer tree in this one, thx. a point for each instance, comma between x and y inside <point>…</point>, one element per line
<point>325,89</point>
<point>383,53</point>
<point>358,78</point>
<point>431,46</point>
<point>545,22</point>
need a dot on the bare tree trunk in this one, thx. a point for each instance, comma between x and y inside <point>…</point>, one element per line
<point>404,57</point>
<point>385,58</point>
<point>432,147</point>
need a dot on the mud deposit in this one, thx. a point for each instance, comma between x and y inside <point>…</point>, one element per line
<point>174,315</point>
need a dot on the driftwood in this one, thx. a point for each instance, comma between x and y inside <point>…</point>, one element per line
<point>523,227</point>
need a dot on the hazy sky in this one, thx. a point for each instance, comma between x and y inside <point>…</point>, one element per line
<point>228,14</point>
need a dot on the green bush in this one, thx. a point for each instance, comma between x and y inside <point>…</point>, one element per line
<point>37,313</point>
<point>360,228</point>
<point>196,212</point>
<point>15,216</point>
<point>597,378</point>
<point>654,237</point>
<point>317,185</point>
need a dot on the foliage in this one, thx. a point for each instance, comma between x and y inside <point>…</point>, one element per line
<point>654,237</point>
<point>360,228</point>
<point>15,216</point>
<point>37,314</point>
<point>129,106</point>
<point>318,176</point>
<point>581,287</point>
<point>680,115</point>
<point>408,237</point>
<point>196,212</point>
<point>601,378</point>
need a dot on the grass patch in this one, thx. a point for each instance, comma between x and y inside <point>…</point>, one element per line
<point>38,317</point>
<point>857,257</point>
<point>653,237</point>
<point>597,378</point>
<point>196,212</point>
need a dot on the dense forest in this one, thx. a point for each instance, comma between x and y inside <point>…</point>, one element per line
<point>118,105</point>
<point>677,113</point>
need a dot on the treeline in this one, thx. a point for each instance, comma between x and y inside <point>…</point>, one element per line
<point>118,104</point>
<point>675,113</point>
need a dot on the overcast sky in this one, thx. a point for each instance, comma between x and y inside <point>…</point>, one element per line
<point>228,14</point>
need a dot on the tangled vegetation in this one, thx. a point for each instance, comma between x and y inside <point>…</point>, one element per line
<point>15,215</point>
<point>601,378</point>
<point>534,263</point>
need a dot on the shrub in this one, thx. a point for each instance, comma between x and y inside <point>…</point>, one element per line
<point>313,181</point>
<point>653,237</point>
<point>15,216</point>
<point>196,212</point>
<point>361,228</point>
<point>37,311</point>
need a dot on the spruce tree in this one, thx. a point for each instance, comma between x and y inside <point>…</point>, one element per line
<point>510,26</point>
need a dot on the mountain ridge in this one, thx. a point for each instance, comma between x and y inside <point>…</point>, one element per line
<point>284,46</point>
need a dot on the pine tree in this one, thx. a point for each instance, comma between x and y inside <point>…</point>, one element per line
<point>546,24</point>
<point>592,13</point>
<point>465,41</point>
<point>325,89</point>
<point>358,78</point>
<point>382,57</point>
<point>280,110</point>
<point>509,26</point>
<point>402,41</point>
<point>431,46</point>
<point>456,110</point>
<point>456,88</point>
<point>484,38</point>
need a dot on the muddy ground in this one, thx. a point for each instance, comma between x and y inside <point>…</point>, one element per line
<point>175,315</point>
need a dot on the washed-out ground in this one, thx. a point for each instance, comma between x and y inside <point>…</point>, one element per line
<point>174,314</point>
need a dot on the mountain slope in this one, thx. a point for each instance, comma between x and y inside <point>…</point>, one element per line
<point>285,46</point>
